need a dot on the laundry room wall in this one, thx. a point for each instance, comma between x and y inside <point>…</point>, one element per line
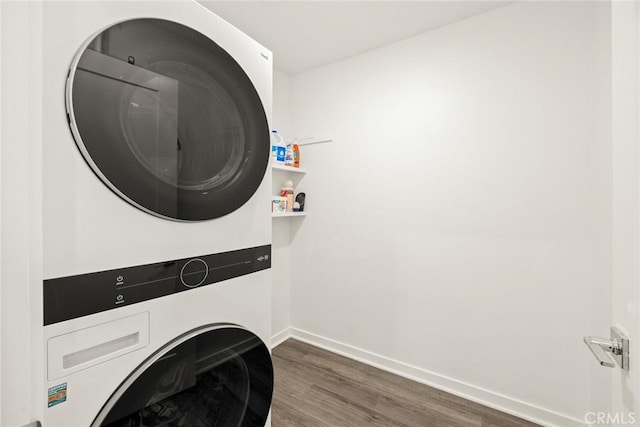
<point>461,220</point>
<point>281,247</point>
<point>21,363</point>
<point>1,139</point>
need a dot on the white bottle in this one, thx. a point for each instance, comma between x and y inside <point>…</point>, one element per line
<point>278,147</point>
<point>288,157</point>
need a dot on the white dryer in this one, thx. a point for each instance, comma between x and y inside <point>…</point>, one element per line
<point>156,234</point>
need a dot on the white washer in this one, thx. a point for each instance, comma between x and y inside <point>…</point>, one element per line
<point>156,225</point>
<point>194,358</point>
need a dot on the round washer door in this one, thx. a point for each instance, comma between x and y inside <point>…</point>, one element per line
<point>212,376</point>
<point>168,120</point>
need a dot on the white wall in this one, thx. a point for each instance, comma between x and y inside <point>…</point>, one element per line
<point>21,225</point>
<point>455,223</point>
<point>281,247</point>
<point>2,36</point>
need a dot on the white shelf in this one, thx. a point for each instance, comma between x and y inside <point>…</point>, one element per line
<point>289,214</point>
<point>280,167</point>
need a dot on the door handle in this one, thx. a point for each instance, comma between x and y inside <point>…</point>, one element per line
<point>601,349</point>
<point>610,352</point>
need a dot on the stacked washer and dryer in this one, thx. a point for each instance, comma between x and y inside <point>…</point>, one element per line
<point>156,225</point>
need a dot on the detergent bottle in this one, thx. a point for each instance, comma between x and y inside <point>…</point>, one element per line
<point>278,147</point>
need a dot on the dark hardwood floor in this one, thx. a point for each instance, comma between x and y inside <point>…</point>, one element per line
<point>314,387</point>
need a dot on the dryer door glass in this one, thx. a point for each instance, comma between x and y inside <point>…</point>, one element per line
<point>168,120</point>
<point>217,376</point>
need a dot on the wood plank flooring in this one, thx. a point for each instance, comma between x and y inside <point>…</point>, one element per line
<point>314,387</point>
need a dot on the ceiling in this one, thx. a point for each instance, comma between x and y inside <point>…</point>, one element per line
<point>307,34</point>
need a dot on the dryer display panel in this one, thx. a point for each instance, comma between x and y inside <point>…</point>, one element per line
<point>168,120</point>
<point>213,376</point>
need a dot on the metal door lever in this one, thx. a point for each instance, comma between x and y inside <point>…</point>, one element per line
<point>610,352</point>
<point>601,347</point>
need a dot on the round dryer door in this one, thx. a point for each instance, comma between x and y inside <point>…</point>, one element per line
<point>168,120</point>
<point>213,376</point>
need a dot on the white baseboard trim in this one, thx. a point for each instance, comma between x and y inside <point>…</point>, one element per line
<point>476,394</point>
<point>280,337</point>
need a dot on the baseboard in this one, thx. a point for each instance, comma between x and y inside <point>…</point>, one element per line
<point>476,394</point>
<point>280,337</point>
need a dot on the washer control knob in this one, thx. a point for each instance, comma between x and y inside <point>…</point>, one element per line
<point>194,273</point>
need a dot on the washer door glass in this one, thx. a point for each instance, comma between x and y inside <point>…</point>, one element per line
<point>168,120</point>
<point>215,376</point>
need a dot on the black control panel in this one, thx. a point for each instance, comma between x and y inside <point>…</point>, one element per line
<point>75,296</point>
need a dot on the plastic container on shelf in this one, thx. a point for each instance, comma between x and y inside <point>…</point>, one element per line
<point>278,205</point>
<point>296,156</point>
<point>287,191</point>
<point>278,147</point>
<point>288,158</point>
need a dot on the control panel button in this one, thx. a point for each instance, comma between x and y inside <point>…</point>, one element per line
<point>194,273</point>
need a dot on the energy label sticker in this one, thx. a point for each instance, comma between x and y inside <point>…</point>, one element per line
<point>57,395</point>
